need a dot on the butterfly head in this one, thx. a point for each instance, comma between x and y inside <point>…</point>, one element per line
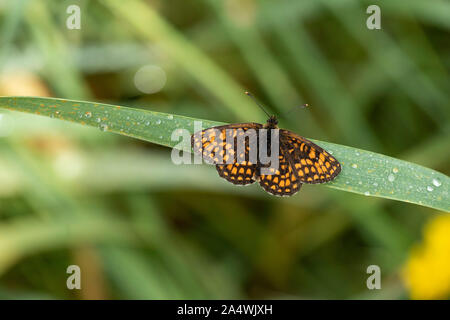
<point>272,122</point>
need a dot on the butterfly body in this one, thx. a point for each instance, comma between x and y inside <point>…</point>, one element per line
<point>272,123</point>
<point>299,160</point>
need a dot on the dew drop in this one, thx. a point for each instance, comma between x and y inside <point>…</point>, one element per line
<point>391,178</point>
<point>103,127</point>
<point>395,170</point>
<point>367,193</point>
<point>375,184</point>
<point>147,123</point>
<point>98,120</point>
<point>170,117</point>
<point>436,182</point>
<point>158,121</point>
<point>430,188</point>
<point>354,166</point>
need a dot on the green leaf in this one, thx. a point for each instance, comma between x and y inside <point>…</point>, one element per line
<point>363,172</point>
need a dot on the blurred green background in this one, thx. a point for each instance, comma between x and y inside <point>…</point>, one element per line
<point>140,227</point>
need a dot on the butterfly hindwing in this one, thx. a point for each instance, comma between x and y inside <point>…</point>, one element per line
<point>283,181</point>
<point>242,174</point>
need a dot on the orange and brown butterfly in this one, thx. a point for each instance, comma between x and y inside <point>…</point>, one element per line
<point>300,160</point>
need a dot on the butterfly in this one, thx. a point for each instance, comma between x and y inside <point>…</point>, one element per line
<point>299,160</point>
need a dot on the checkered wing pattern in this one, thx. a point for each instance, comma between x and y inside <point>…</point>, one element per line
<point>311,163</point>
<point>282,181</point>
<point>213,144</point>
<point>237,173</point>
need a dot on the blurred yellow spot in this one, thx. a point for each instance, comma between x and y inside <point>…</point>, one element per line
<point>427,271</point>
<point>22,83</point>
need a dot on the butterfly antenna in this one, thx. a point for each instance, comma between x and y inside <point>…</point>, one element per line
<point>256,102</point>
<point>303,106</point>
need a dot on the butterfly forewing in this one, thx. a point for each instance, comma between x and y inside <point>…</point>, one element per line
<point>311,163</point>
<point>219,145</point>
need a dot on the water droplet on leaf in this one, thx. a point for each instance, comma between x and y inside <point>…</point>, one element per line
<point>436,182</point>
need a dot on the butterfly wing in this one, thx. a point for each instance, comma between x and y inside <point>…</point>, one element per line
<point>283,181</point>
<point>219,145</point>
<point>311,163</point>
